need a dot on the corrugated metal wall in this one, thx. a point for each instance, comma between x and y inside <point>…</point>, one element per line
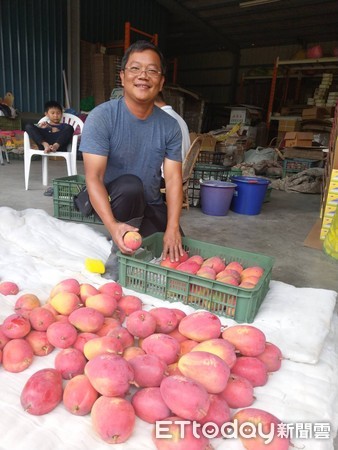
<point>33,41</point>
<point>32,51</point>
<point>209,74</point>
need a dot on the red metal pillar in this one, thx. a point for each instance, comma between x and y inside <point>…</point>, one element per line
<point>126,35</point>
<point>272,93</point>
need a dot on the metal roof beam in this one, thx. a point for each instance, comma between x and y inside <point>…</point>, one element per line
<point>220,39</point>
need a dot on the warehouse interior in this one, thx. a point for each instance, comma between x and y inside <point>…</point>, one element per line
<point>256,79</point>
<point>209,45</point>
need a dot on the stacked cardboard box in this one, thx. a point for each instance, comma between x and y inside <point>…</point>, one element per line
<point>316,155</point>
<point>330,187</point>
<point>241,115</point>
<point>105,72</point>
<point>287,124</point>
<point>320,97</point>
<point>87,51</point>
<point>246,115</point>
<point>208,141</point>
<point>316,112</point>
<point>298,139</point>
<point>233,135</point>
<point>99,72</point>
<point>100,75</point>
<point>331,204</point>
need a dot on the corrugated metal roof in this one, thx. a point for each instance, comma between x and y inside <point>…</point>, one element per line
<point>203,25</point>
<point>103,20</point>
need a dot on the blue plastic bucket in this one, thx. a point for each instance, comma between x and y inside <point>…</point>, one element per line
<point>249,194</point>
<point>216,197</point>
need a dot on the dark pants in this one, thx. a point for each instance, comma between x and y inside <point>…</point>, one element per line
<point>62,137</point>
<point>128,202</point>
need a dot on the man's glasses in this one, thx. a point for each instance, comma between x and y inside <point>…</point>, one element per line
<point>134,70</point>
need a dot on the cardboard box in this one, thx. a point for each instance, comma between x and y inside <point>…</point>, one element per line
<point>323,233</point>
<point>243,132</point>
<point>332,199</point>
<point>315,112</point>
<point>316,155</point>
<point>333,185</point>
<point>240,114</point>
<point>288,124</point>
<point>330,210</point>
<point>104,70</point>
<point>333,190</point>
<point>327,220</point>
<point>245,114</point>
<point>245,136</point>
<point>208,142</point>
<point>298,139</point>
<point>335,156</point>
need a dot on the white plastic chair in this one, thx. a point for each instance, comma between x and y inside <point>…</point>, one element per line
<point>70,155</point>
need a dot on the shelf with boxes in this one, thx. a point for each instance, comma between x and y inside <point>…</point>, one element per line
<point>326,68</point>
<point>320,127</point>
<point>255,89</point>
<point>323,96</point>
<point>300,153</point>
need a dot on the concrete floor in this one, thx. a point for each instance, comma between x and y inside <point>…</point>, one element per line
<point>279,231</point>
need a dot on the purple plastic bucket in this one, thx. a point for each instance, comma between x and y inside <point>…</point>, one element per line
<point>216,197</point>
<point>249,195</point>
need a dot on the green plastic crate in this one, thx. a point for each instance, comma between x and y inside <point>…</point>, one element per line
<point>204,172</point>
<point>142,274</point>
<point>63,197</point>
<point>205,157</point>
<point>233,173</point>
<point>267,196</point>
<point>9,124</point>
<point>296,165</point>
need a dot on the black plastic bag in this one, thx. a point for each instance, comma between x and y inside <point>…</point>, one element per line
<point>82,202</point>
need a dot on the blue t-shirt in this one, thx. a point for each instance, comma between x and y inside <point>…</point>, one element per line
<point>133,146</point>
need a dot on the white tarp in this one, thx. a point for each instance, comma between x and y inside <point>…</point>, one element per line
<point>37,251</point>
